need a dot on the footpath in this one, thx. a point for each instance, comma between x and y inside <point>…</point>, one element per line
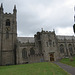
<point>67,68</point>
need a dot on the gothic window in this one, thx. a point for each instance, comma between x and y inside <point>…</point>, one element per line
<point>7,22</point>
<point>53,44</point>
<point>62,48</point>
<point>24,53</point>
<point>40,47</point>
<point>70,48</point>
<point>50,42</point>
<point>32,52</point>
<point>47,44</point>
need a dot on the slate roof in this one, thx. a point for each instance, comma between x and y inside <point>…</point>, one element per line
<point>31,39</point>
<point>26,39</point>
<point>65,37</point>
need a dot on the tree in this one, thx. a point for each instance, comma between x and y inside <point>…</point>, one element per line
<point>74,28</point>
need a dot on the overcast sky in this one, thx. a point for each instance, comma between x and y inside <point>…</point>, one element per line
<point>32,15</point>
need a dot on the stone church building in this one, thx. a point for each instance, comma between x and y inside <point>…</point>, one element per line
<point>44,46</point>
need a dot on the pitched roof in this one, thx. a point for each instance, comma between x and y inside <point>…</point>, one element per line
<point>65,37</point>
<point>26,39</point>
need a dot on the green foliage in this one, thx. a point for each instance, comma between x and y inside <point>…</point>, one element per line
<point>74,28</point>
<point>45,68</point>
<point>68,62</point>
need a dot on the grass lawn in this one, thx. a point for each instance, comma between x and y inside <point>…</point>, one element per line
<point>68,62</point>
<point>44,68</point>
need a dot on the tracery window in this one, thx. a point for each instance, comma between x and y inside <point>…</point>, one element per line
<point>24,53</point>
<point>62,48</point>
<point>7,22</point>
<point>50,42</point>
<point>53,44</point>
<point>32,52</point>
<point>70,48</point>
<point>47,44</point>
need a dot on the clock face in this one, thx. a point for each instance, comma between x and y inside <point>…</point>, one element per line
<point>7,28</point>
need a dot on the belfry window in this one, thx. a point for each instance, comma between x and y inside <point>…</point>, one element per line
<point>7,22</point>
<point>24,53</point>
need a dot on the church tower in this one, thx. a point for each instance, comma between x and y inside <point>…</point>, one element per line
<point>8,37</point>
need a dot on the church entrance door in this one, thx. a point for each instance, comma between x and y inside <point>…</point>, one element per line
<point>52,57</point>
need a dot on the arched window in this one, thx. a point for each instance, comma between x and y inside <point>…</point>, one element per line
<point>7,22</point>
<point>62,48</point>
<point>50,42</point>
<point>47,44</point>
<point>70,48</point>
<point>32,52</point>
<point>53,44</point>
<point>24,53</point>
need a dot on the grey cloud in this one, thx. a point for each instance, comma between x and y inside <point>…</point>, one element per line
<point>29,21</point>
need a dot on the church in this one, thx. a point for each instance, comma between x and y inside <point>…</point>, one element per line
<point>45,46</point>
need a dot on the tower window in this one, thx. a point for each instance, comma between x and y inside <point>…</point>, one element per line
<point>7,22</point>
<point>47,44</point>
<point>53,44</point>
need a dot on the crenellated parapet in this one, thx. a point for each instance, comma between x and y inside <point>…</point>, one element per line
<point>26,44</point>
<point>8,14</point>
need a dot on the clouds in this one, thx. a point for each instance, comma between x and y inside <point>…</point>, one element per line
<point>65,31</point>
<point>32,15</point>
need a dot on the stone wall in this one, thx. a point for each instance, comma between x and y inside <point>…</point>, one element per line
<point>8,58</point>
<point>8,37</point>
<point>66,44</point>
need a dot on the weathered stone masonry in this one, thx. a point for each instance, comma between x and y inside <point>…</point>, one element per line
<point>44,46</point>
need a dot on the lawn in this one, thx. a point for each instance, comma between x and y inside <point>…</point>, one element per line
<point>68,62</point>
<point>44,68</point>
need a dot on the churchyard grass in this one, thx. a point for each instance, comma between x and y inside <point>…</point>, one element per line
<point>68,62</point>
<point>44,68</point>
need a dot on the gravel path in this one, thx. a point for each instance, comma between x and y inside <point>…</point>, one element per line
<point>67,68</point>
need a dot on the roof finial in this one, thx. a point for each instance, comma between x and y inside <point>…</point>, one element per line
<point>14,6</point>
<point>14,10</point>
<point>1,5</point>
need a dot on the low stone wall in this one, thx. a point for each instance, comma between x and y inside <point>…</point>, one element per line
<point>33,59</point>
